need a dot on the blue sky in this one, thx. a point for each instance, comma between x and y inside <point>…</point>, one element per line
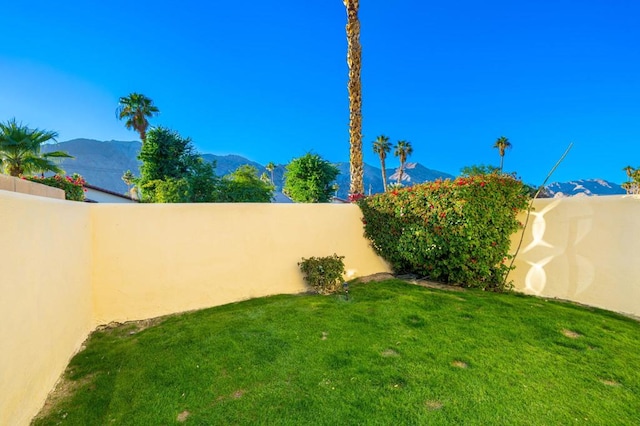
<point>267,79</point>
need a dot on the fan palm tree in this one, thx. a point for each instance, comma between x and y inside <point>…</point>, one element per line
<point>354,55</point>
<point>382,147</point>
<point>136,108</point>
<point>20,150</point>
<point>502,143</point>
<point>270,168</point>
<point>402,150</point>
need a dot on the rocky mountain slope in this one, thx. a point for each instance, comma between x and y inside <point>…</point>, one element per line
<point>584,187</point>
<point>103,163</point>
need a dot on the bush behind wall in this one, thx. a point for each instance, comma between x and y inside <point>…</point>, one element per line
<point>455,232</point>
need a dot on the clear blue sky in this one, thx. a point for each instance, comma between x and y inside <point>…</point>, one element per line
<point>267,79</point>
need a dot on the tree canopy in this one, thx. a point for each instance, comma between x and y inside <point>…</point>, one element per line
<point>20,150</point>
<point>245,186</point>
<point>173,172</point>
<point>136,109</point>
<point>308,179</point>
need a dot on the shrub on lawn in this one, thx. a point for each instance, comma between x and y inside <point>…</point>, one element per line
<point>451,231</point>
<point>73,186</point>
<point>323,274</point>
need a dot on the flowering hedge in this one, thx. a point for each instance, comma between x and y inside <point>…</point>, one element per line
<point>73,186</point>
<point>456,232</point>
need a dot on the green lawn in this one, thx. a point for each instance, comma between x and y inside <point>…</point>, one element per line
<point>394,353</point>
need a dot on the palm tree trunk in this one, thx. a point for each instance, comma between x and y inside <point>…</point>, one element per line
<point>15,170</point>
<point>354,54</point>
<point>384,174</point>
<point>501,161</point>
<point>401,173</point>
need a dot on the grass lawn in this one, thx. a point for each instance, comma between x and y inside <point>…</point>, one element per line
<point>394,353</point>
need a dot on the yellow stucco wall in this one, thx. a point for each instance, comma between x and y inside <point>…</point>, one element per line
<point>151,260</point>
<point>67,267</point>
<point>14,184</point>
<point>583,249</point>
<point>45,297</point>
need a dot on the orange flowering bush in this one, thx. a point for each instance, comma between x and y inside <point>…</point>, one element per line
<point>455,232</point>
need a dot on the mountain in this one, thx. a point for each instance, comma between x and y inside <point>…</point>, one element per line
<point>584,187</point>
<point>415,173</point>
<point>102,164</point>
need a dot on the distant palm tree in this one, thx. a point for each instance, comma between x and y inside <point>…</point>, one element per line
<point>382,147</point>
<point>629,170</point>
<point>271,167</point>
<point>136,108</point>
<point>20,150</point>
<point>402,150</point>
<point>354,61</point>
<point>502,143</point>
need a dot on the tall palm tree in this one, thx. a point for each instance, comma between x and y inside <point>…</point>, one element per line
<point>629,170</point>
<point>136,108</point>
<point>502,143</point>
<point>354,56</point>
<point>382,147</point>
<point>20,150</point>
<point>402,150</point>
<point>271,167</point>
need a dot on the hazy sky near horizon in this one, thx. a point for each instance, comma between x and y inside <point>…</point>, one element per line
<point>268,79</point>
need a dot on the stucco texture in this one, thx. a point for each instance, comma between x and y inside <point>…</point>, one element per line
<point>46,304</point>
<point>67,267</point>
<point>151,260</point>
<point>583,249</point>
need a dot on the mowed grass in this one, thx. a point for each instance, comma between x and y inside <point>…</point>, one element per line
<point>394,353</point>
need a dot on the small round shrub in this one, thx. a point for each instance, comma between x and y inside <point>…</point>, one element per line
<point>323,274</point>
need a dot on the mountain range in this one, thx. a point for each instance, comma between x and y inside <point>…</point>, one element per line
<point>102,164</point>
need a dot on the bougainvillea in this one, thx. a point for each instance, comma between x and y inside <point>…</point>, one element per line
<point>73,186</point>
<point>456,231</point>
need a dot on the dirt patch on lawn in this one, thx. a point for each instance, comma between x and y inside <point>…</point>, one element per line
<point>389,353</point>
<point>460,364</point>
<point>411,279</point>
<point>132,327</point>
<point>433,405</point>
<point>182,417</point>
<point>63,389</point>
<point>571,334</point>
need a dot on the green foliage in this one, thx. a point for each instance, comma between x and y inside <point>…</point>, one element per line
<point>173,172</point>
<point>169,190</point>
<point>73,186</point>
<point>135,109</point>
<point>632,185</point>
<point>323,274</point>
<point>395,353</point>
<point>165,154</point>
<point>20,150</point>
<point>451,231</point>
<point>244,186</point>
<point>479,169</point>
<point>308,179</point>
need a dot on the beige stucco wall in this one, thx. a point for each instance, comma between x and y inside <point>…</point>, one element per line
<point>45,297</point>
<point>583,249</point>
<point>67,267</point>
<point>14,184</point>
<point>151,260</point>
